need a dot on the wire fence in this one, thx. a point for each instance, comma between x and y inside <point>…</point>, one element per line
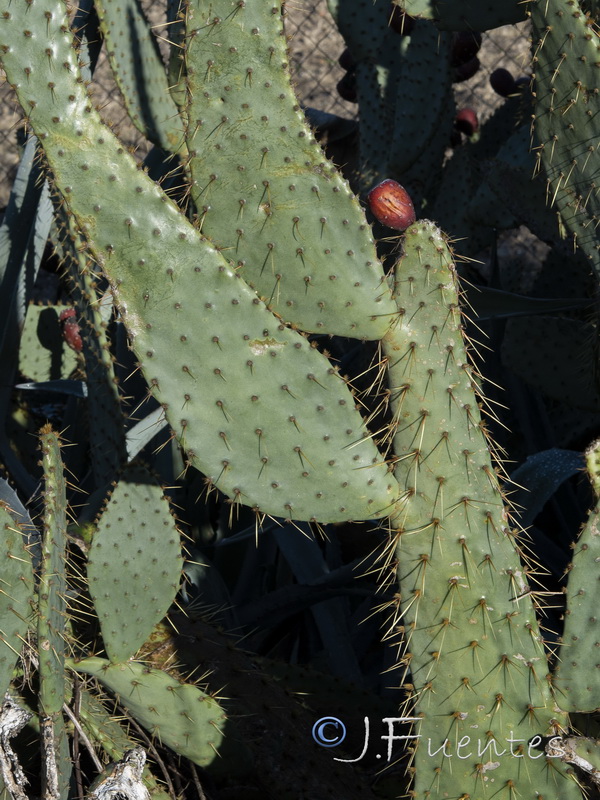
<point>315,46</point>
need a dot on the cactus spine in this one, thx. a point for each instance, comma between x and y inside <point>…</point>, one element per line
<point>473,646</point>
<point>219,328</point>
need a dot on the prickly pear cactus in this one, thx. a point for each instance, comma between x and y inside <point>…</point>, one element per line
<point>472,643</point>
<point>235,303</point>
<point>265,392</point>
<point>144,563</point>
<point>566,50</point>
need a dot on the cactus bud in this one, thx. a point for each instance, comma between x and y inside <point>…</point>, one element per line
<point>391,205</point>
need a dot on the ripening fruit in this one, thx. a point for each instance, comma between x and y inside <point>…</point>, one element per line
<point>465,71</point>
<point>70,329</point>
<point>466,121</point>
<point>391,205</point>
<point>465,46</point>
<point>502,82</point>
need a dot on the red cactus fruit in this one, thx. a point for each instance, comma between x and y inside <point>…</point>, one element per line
<point>390,203</point>
<point>502,82</point>
<point>399,21</point>
<point>70,329</point>
<point>466,71</point>
<point>465,46</point>
<point>466,121</point>
<point>68,313</point>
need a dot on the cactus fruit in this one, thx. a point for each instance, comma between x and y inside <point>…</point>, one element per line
<point>70,329</point>
<point>466,121</point>
<point>502,82</point>
<point>391,205</point>
<point>464,72</point>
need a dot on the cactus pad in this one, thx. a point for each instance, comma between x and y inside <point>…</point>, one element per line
<point>135,563</point>
<point>179,715</point>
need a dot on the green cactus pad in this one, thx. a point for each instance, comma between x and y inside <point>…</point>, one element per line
<point>566,52</point>
<point>592,462</point>
<point>104,730</point>
<point>259,411</point>
<point>464,15</point>
<point>266,195</point>
<point>134,564</point>
<point>178,715</point>
<point>139,72</point>
<point>52,590</point>
<point>44,354</point>
<point>473,647</point>
<point>16,595</point>
<point>578,671</point>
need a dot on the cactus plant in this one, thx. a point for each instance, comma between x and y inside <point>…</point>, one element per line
<point>292,373</point>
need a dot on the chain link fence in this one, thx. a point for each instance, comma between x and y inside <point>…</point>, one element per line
<point>315,47</point>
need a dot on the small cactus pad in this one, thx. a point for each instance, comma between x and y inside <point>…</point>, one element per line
<point>578,670</point>
<point>473,647</point>
<point>135,563</point>
<point>258,410</point>
<point>52,591</point>
<point>16,594</point>
<point>178,715</point>
<point>281,213</point>
<point>566,53</point>
<point>139,71</point>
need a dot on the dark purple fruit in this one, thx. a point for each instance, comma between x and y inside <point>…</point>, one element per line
<point>346,61</point>
<point>391,205</point>
<point>465,46</point>
<point>466,71</point>
<point>347,88</point>
<point>466,121</point>
<point>502,82</point>
<point>399,21</point>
